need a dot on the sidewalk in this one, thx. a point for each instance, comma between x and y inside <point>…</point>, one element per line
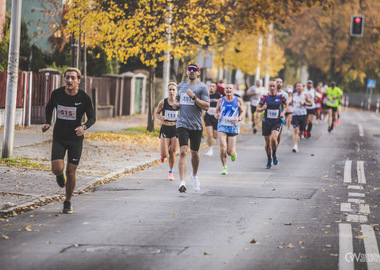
<point>25,187</point>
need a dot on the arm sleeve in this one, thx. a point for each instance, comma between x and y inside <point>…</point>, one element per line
<point>89,113</point>
<point>49,109</point>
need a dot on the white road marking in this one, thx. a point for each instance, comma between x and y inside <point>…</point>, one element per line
<point>364,209</point>
<point>345,246</point>
<point>354,194</point>
<point>347,171</point>
<point>371,248</point>
<point>361,175</point>
<point>345,207</point>
<point>356,200</point>
<point>361,130</point>
<point>354,187</point>
<point>357,218</point>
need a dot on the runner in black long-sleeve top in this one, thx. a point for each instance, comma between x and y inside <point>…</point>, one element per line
<point>71,103</point>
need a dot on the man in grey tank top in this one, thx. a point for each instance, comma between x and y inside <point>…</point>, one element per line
<point>192,98</point>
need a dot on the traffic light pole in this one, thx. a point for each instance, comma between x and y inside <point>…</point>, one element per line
<point>12,79</point>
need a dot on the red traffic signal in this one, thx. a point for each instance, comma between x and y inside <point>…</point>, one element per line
<point>357,26</point>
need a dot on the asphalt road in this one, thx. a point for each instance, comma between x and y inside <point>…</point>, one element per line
<point>316,210</point>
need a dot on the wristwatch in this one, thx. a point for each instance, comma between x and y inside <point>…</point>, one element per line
<point>84,127</point>
<point>194,97</point>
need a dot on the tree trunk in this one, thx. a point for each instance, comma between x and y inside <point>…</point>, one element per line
<point>151,99</point>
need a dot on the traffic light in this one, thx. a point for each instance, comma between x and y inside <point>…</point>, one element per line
<point>357,26</point>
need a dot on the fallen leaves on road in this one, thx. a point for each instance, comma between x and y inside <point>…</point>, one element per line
<point>288,223</point>
<point>207,253</point>
<point>5,236</point>
<point>28,228</point>
<point>253,241</point>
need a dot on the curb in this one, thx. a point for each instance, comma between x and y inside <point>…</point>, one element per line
<point>84,188</point>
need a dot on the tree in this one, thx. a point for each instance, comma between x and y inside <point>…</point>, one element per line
<point>320,38</point>
<point>138,28</point>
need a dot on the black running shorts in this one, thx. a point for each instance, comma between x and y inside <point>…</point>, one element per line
<point>310,111</point>
<point>74,150</point>
<point>168,131</point>
<point>267,127</point>
<point>299,121</point>
<point>210,120</point>
<point>334,109</point>
<point>185,134</point>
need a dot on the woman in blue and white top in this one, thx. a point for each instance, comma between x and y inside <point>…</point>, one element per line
<point>168,132</point>
<point>229,111</point>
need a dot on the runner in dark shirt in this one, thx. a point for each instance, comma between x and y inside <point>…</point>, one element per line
<point>71,104</point>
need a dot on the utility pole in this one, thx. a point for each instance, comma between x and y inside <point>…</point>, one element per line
<point>12,79</point>
<point>166,67</point>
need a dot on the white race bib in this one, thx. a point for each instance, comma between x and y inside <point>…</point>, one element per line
<point>66,113</point>
<point>186,99</point>
<point>227,121</point>
<point>171,115</point>
<point>272,114</point>
<point>211,111</point>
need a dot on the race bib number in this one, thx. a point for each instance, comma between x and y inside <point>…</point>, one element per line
<point>211,111</point>
<point>227,121</point>
<point>171,115</point>
<point>66,113</point>
<point>331,102</point>
<point>272,114</point>
<point>186,100</point>
<point>317,105</point>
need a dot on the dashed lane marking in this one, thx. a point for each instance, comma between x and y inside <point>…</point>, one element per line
<point>354,194</point>
<point>347,171</point>
<point>361,130</point>
<point>354,187</point>
<point>364,209</point>
<point>356,201</point>
<point>361,175</point>
<point>345,246</point>
<point>357,218</point>
<point>345,207</point>
<point>371,248</point>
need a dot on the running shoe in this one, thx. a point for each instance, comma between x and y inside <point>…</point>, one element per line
<point>254,130</point>
<point>233,157</point>
<point>210,152</point>
<point>305,134</point>
<point>67,208</point>
<point>224,170</point>
<point>295,148</point>
<point>269,164</point>
<point>196,184</point>
<point>182,187</point>
<point>308,134</point>
<point>170,176</point>
<point>275,161</point>
<point>61,180</point>
<point>162,159</point>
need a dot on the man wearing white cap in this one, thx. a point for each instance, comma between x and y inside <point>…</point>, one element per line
<point>309,109</point>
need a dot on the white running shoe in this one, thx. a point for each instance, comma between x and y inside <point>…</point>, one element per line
<point>295,148</point>
<point>196,184</point>
<point>210,152</point>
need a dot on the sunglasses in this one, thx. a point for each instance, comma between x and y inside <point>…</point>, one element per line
<point>193,69</point>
